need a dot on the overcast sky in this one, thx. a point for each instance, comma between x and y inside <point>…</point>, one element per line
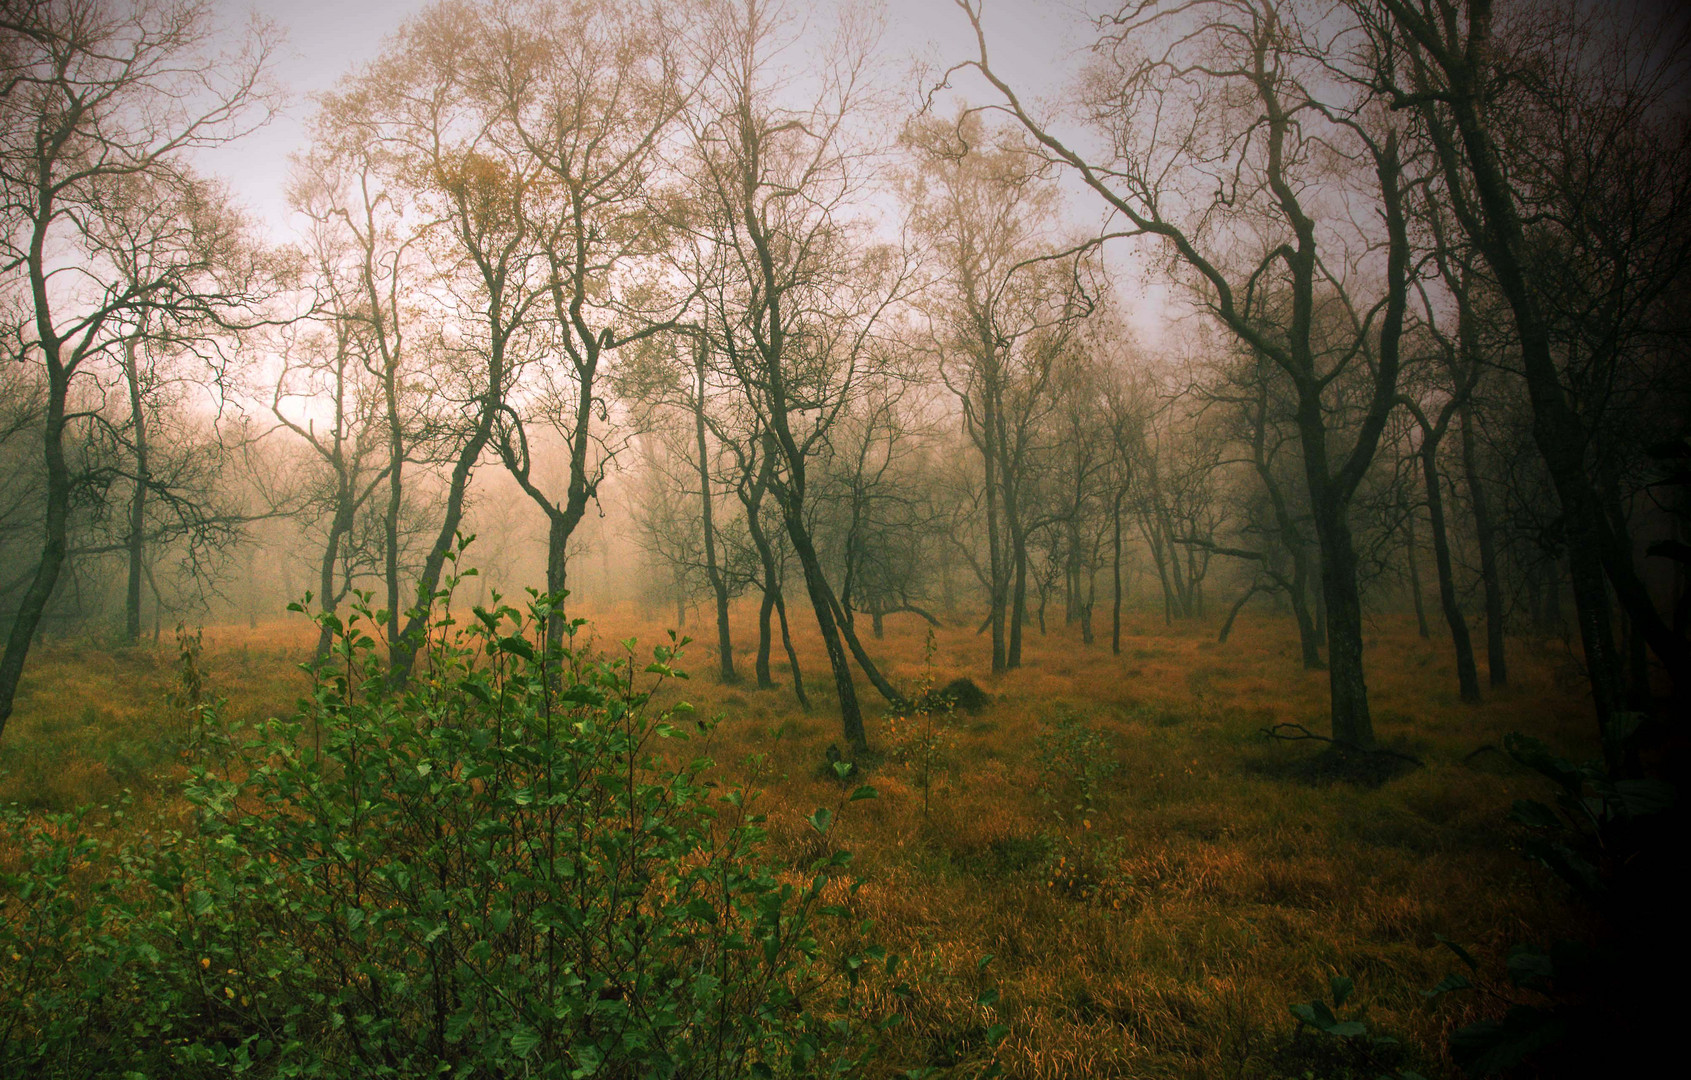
<point>1033,45</point>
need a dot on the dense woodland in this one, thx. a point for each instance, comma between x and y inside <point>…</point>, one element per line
<point>714,312</point>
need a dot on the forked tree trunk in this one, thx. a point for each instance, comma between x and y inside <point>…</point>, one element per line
<point>822,602</point>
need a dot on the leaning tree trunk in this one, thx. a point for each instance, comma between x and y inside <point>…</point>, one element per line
<point>792,654</point>
<point>328,598</point>
<point>822,602</point>
<point>858,652</point>
<point>54,545</point>
<point>410,640</point>
<point>1467,677</point>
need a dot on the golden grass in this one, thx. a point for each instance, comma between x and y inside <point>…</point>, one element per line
<point>1162,933</point>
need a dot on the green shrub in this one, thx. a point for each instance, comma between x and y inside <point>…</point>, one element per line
<point>1076,760</point>
<point>504,870</point>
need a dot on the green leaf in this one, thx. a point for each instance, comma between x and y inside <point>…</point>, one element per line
<point>524,1040</point>
<point>1448,984</point>
<point>821,820</point>
<point>1644,797</point>
<point>517,644</point>
<point>1341,986</point>
<point>1530,967</point>
<point>475,689</point>
<point>864,792</point>
<point>1534,815</point>
<point>1461,954</point>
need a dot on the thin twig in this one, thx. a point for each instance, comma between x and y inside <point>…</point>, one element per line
<point>1306,735</point>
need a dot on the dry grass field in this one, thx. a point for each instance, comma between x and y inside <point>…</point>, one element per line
<point>1156,880</point>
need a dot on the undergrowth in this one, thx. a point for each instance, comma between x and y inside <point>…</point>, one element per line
<point>515,866</point>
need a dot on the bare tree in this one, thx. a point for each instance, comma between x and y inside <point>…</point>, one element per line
<point>1002,292</point>
<point>96,96</point>
<point>793,298</point>
<point>1237,105</point>
<point>1574,133</point>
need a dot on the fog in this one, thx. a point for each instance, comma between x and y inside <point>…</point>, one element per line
<point>1222,469</point>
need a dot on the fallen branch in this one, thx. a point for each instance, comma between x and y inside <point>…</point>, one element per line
<point>1306,735</point>
<point>1472,754</point>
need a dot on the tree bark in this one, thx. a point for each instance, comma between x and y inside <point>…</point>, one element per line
<point>1485,532</point>
<point>718,583</point>
<point>1415,577</point>
<point>792,654</point>
<point>1467,676</point>
<point>822,602</point>
<point>1115,576</point>
<point>54,522</point>
<point>136,540</point>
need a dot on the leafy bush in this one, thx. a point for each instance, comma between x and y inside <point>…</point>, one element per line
<point>498,871</point>
<point>1075,759</point>
<point>918,731</point>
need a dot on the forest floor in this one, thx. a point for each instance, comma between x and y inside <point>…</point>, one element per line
<point>1156,879</point>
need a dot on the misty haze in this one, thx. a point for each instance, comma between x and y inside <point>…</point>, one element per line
<point>787,538</point>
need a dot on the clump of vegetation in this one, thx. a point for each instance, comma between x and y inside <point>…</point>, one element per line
<point>919,735</point>
<point>1076,760</point>
<point>1333,1040</point>
<point>511,867</point>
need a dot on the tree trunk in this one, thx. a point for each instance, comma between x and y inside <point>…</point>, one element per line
<point>1019,597</point>
<point>822,602</point>
<point>53,541</point>
<point>410,640</point>
<point>1467,676</point>
<point>765,611</point>
<point>752,501</point>
<point>1352,723</point>
<point>1233,613</point>
<point>1115,569</point>
<point>136,540</point>
<point>1557,429</point>
<point>328,597</point>
<point>792,654</point>
<point>1415,578</point>
<point>849,632</point>
<point>1490,576</point>
<point>396,494</point>
<point>998,572</point>
<point>718,583</point>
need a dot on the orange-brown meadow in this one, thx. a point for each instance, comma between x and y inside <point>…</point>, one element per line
<point>1155,880</point>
